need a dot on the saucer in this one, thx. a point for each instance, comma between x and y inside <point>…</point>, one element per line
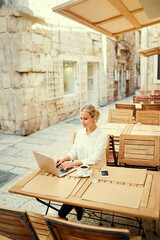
<point>84,175</point>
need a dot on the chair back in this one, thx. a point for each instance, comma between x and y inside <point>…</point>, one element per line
<point>148,117</point>
<point>127,107</point>
<point>145,92</point>
<point>139,150</point>
<point>151,107</point>
<point>143,99</point>
<point>120,116</point>
<point>111,155</point>
<point>15,224</point>
<point>62,229</point>
<point>157,92</point>
<point>156,98</point>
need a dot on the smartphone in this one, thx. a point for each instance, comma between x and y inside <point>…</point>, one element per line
<point>104,173</point>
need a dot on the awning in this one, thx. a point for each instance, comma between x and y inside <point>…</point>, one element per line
<point>150,51</point>
<point>111,17</point>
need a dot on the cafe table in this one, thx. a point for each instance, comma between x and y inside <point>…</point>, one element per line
<point>132,192</point>
<point>115,129</point>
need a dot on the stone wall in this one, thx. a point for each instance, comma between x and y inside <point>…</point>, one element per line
<point>25,52</point>
<point>150,38</point>
<point>121,53</point>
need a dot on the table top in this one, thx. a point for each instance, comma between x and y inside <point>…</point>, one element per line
<point>140,129</point>
<point>78,193</point>
<point>115,129</point>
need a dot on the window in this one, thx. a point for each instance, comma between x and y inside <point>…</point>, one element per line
<point>54,77</point>
<point>69,77</point>
<point>157,68</point>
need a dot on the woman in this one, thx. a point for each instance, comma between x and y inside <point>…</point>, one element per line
<point>89,148</point>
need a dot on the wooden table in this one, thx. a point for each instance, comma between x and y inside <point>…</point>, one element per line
<point>115,129</point>
<point>148,207</point>
<point>140,129</point>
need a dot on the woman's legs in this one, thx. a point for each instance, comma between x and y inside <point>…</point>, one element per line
<point>65,209</point>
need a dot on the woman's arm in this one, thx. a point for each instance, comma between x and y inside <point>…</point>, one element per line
<point>60,161</point>
<point>68,165</point>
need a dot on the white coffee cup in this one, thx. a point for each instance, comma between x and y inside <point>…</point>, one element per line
<point>83,169</point>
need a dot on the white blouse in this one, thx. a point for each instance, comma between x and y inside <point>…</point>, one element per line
<point>90,149</point>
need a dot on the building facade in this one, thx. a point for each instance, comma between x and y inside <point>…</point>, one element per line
<point>48,73</point>
<point>150,66</point>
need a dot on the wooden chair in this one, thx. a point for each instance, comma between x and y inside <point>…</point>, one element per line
<point>143,99</point>
<point>148,117</point>
<point>18,225</point>
<point>134,99</point>
<point>156,92</point>
<point>139,150</point>
<point>151,107</point>
<point>156,98</point>
<point>145,92</point>
<point>120,116</point>
<point>126,106</point>
<point>61,229</point>
<point>112,156</point>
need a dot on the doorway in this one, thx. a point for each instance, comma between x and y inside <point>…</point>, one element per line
<point>121,81</point>
<point>92,85</point>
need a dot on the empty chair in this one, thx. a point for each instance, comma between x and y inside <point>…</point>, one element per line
<point>157,92</point>
<point>156,98</point>
<point>148,117</point>
<point>151,107</point>
<point>139,150</point>
<point>120,116</point>
<point>18,225</point>
<point>112,157</point>
<point>143,99</point>
<point>61,229</point>
<point>126,106</point>
<point>145,92</point>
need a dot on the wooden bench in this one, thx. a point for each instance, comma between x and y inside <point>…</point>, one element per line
<point>19,225</point>
<point>148,117</point>
<point>139,150</point>
<point>120,116</point>
<point>61,229</point>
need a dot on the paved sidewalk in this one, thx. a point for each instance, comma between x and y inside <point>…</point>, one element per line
<point>16,157</point>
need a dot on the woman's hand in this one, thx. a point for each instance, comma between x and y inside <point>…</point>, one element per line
<point>59,162</point>
<point>66,165</point>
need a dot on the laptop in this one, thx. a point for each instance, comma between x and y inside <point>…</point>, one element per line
<point>48,164</point>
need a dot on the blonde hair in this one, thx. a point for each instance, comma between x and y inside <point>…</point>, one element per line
<point>92,110</point>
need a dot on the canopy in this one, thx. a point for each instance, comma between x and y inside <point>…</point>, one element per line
<point>112,17</point>
<point>150,51</point>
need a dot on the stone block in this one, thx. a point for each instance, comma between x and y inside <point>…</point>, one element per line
<point>24,61</point>
<point>44,123</point>
<point>3,24</point>
<point>47,45</point>
<point>38,62</point>
<point>26,41</point>
<point>13,24</point>
<point>25,25</point>
<point>1,56</point>
<point>6,81</point>
<point>30,126</point>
